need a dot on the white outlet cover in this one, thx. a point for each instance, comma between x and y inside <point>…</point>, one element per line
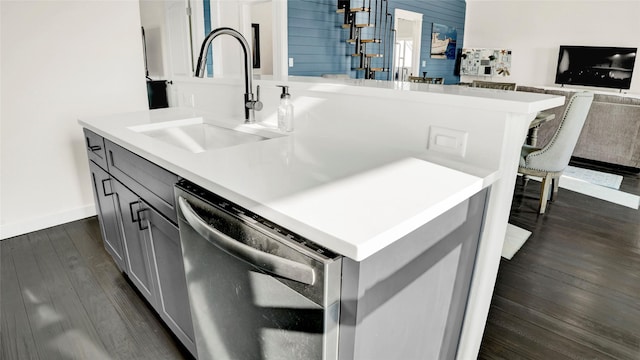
<point>290,62</point>
<point>449,141</point>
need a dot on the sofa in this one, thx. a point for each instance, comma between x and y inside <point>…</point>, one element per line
<point>611,132</point>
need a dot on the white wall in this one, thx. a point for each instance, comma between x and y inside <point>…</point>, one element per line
<point>535,29</point>
<point>152,18</point>
<point>61,60</point>
<point>227,53</point>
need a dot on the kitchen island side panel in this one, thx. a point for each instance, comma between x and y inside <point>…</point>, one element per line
<point>408,300</point>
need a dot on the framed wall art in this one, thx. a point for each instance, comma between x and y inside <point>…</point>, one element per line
<point>443,42</point>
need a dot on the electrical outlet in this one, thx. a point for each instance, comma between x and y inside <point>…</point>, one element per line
<point>188,100</point>
<point>448,141</point>
<point>290,62</point>
<point>424,63</point>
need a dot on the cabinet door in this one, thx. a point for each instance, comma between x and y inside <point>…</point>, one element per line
<point>103,194</point>
<point>138,249</point>
<point>172,296</point>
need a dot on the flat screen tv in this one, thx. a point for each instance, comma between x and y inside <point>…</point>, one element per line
<point>598,66</point>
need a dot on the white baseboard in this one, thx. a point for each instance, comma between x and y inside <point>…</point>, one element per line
<point>43,222</point>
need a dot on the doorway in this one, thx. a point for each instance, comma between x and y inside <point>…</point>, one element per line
<point>408,29</point>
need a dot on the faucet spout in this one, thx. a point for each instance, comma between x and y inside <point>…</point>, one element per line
<point>251,104</point>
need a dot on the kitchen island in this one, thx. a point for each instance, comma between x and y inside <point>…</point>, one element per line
<point>361,196</point>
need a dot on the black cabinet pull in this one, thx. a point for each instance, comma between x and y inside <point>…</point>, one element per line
<point>140,219</point>
<point>93,148</point>
<point>111,163</point>
<point>133,220</point>
<point>104,189</point>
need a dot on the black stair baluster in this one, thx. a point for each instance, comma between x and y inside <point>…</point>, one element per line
<point>387,31</point>
<point>375,28</point>
<point>346,14</point>
<point>352,27</point>
<point>383,30</point>
<point>390,50</point>
<point>367,67</point>
<point>392,58</point>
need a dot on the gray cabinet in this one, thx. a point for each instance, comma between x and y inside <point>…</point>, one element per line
<point>172,301</point>
<point>407,301</point>
<point>137,245</point>
<point>135,204</point>
<point>103,193</point>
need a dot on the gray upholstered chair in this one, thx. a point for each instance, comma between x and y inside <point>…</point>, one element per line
<point>493,85</point>
<point>549,161</point>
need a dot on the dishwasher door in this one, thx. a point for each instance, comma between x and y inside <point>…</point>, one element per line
<point>256,291</point>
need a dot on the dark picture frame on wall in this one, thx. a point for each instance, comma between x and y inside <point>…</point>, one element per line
<point>255,43</point>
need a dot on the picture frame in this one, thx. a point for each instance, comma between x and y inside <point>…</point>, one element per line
<point>443,42</point>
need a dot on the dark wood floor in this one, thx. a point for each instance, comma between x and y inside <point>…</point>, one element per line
<point>571,292</point>
<point>62,297</point>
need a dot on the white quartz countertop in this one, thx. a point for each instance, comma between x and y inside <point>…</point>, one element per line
<point>353,198</point>
<point>444,95</point>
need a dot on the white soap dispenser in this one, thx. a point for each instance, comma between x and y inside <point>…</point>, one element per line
<point>285,110</point>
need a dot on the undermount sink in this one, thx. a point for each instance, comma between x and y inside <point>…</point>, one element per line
<point>196,136</point>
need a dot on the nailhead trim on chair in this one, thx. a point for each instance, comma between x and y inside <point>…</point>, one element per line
<point>553,139</point>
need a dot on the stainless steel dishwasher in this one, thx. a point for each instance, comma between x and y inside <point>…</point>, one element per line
<point>256,290</point>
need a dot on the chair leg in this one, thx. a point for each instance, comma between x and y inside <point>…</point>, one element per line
<point>554,193</point>
<point>544,192</point>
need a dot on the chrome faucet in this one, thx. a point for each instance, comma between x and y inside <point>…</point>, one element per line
<point>251,105</point>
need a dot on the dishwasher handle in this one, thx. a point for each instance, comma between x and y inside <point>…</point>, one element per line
<point>270,263</point>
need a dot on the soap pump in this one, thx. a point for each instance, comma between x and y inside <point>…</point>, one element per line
<point>285,110</point>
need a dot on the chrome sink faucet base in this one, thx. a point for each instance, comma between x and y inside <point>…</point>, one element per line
<point>251,103</point>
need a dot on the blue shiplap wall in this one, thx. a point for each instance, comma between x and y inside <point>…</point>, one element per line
<point>445,12</point>
<point>317,41</point>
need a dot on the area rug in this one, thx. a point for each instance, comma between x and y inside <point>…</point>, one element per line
<point>513,240</point>
<point>600,192</point>
<point>593,177</point>
<point>592,183</point>
<point>596,184</point>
